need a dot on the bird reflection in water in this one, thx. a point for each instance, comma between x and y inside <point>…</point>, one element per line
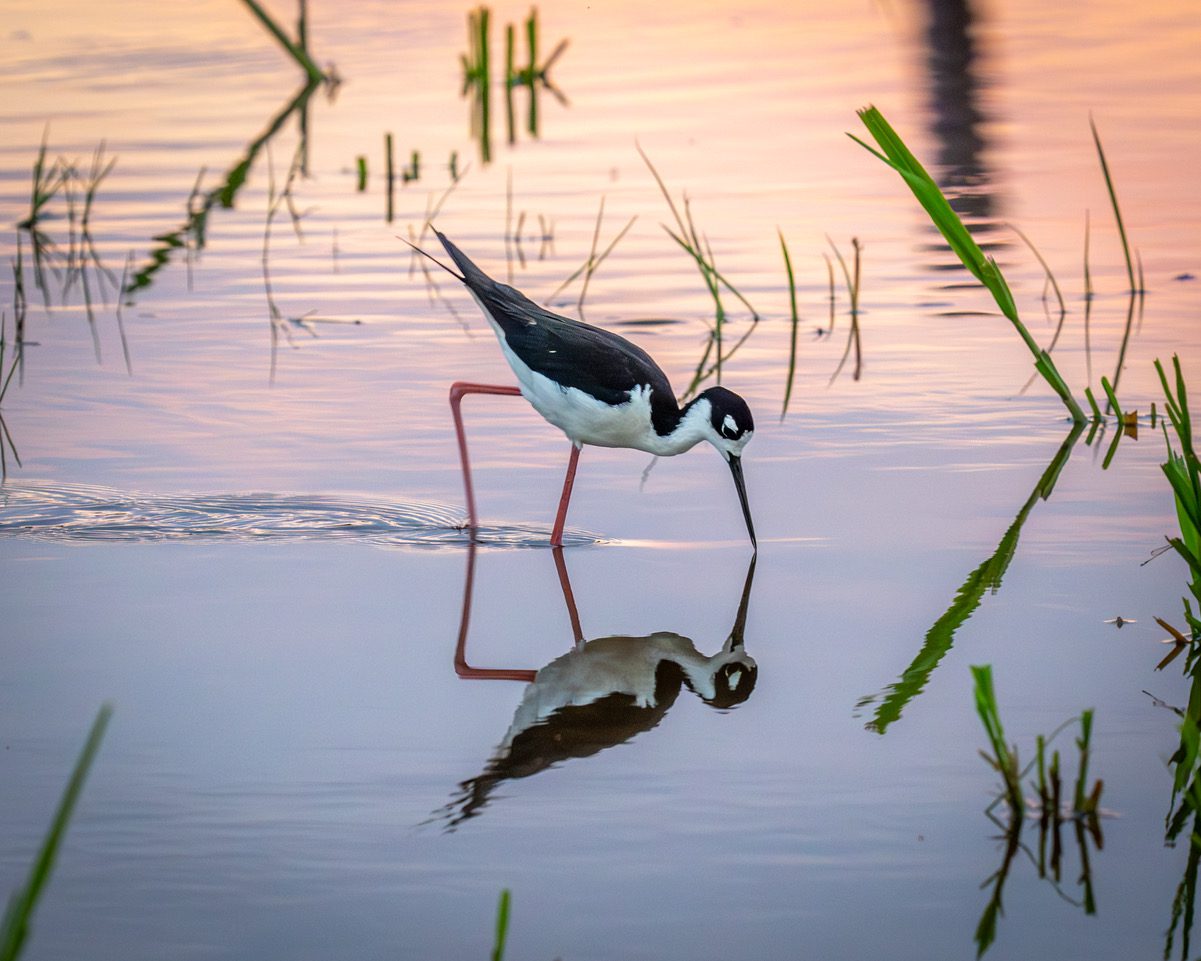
<point>599,694</point>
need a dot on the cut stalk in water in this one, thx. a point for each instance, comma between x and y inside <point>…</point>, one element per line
<point>591,265</point>
<point>1113,199</point>
<point>45,184</point>
<point>502,926</point>
<point>833,297</point>
<point>983,268</point>
<point>1088,280</point>
<point>853,293</point>
<point>688,240</point>
<point>795,323</point>
<point>1046,268</point>
<point>389,176</point>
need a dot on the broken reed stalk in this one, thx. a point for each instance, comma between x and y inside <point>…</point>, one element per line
<point>1046,268</point>
<point>852,292</point>
<point>983,268</point>
<point>1088,279</point>
<point>1113,399</point>
<point>795,324</point>
<point>1113,199</point>
<point>833,298</point>
<point>96,175</point>
<point>600,216</point>
<point>389,175</point>
<point>1084,803</point>
<point>45,183</point>
<point>592,264</point>
<point>687,238</point>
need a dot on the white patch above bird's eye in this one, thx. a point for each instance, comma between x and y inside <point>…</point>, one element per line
<point>729,426</point>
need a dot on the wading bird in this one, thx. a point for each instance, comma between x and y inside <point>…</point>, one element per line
<point>597,387</point>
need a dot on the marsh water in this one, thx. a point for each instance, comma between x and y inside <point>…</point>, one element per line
<point>246,533</point>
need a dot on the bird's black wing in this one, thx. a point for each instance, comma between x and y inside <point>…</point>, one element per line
<point>573,354</point>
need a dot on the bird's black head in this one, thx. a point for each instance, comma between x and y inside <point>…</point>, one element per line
<point>730,419</point>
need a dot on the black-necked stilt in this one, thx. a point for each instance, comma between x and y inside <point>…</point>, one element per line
<point>595,386</point>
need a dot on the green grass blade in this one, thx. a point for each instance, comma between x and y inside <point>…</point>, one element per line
<point>982,267</point>
<point>1043,263</point>
<point>1113,398</point>
<point>16,925</point>
<point>1113,199</point>
<point>1083,743</point>
<point>502,926</point>
<point>795,324</point>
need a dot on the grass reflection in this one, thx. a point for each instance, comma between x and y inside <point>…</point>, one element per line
<point>986,577</point>
<point>477,78</point>
<point>1085,833</point>
<point>193,229</point>
<point>1083,813</point>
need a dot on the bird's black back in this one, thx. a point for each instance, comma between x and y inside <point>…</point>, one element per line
<point>569,352</point>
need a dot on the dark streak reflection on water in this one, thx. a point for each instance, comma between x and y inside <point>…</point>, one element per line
<point>83,513</point>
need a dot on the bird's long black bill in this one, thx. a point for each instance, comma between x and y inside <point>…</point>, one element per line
<point>740,484</point>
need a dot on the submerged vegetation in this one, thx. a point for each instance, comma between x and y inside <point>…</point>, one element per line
<point>698,248</point>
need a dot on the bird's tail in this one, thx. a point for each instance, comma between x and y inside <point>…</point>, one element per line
<point>429,256</point>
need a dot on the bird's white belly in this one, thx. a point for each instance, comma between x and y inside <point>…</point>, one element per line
<point>586,420</point>
<point>583,418</point>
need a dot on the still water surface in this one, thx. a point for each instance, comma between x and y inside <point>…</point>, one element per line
<point>322,696</point>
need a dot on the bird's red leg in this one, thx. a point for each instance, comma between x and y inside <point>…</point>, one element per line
<point>556,535</point>
<point>568,597</point>
<point>462,668</point>
<point>457,390</point>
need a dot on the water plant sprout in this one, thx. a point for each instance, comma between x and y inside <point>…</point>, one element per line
<point>982,267</point>
<point>795,323</point>
<point>852,280</point>
<point>1117,213</point>
<point>1004,760</point>
<point>702,254</point>
<point>14,929</point>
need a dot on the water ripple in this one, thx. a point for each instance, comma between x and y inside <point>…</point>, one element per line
<point>86,513</point>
